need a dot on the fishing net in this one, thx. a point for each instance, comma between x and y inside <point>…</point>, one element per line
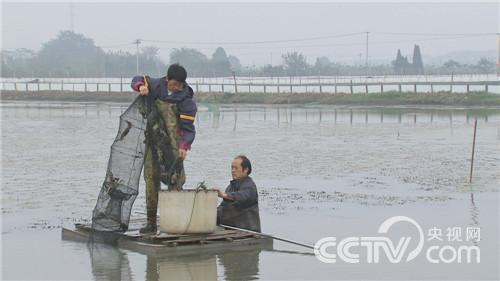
<point>120,187</point>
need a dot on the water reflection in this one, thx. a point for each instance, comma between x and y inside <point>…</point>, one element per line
<point>474,214</point>
<point>240,266</point>
<point>213,115</point>
<point>372,173</point>
<point>235,119</point>
<point>111,263</point>
<point>290,115</point>
<point>474,211</point>
<point>181,268</point>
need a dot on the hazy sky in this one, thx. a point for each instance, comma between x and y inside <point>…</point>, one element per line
<point>110,24</point>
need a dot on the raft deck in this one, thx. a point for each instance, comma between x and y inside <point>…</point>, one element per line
<point>163,244</point>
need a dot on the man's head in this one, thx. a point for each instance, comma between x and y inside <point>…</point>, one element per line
<point>240,167</point>
<point>176,77</point>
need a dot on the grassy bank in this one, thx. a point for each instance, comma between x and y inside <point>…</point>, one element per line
<point>388,98</point>
<point>69,96</point>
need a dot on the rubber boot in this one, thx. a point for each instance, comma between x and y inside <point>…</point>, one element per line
<point>151,224</point>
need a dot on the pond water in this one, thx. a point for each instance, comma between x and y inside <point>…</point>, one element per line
<point>321,171</point>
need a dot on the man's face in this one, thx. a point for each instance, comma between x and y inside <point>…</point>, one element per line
<point>236,170</point>
<point>174,86</point>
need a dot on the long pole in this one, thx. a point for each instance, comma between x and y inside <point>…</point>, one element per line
<point>366,55</point>
<point>235,85</point>
<point>473,148</point>
<point>270,236</point>
<point>137,42</point>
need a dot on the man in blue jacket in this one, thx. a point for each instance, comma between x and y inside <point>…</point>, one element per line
<point>166,148</point>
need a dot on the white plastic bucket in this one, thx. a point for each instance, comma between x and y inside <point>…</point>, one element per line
<point>188,211</point>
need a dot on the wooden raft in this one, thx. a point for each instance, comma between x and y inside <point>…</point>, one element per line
<point>221,240</point>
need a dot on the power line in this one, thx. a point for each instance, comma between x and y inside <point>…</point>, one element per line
<point>348,44</point>
<point>345,44</point>
<point>328,45</point>
<point>317,38</point>
<point>255,42</point>
<point>360,43</point>
<point>319,45</point>
<point>117,46</point>
<point>436,34</point>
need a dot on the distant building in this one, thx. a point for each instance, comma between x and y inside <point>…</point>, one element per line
<point>403,67</point>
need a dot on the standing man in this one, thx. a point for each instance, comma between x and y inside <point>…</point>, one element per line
<point>240,204</point>
<point>169,134</point>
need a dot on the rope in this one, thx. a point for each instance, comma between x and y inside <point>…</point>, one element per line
<point>200,187</point>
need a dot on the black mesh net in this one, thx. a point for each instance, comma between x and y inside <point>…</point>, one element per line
<point>120,187</point>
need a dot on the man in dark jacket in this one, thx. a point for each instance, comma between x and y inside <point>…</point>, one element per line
<point>169,134</point>
<point>240,204</point>
<point>180,94</point>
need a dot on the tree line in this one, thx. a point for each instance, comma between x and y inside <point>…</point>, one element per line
<point>74,55</point>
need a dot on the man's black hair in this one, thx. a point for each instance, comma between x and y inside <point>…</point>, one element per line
<point>245,163</point>
<point>177,72</point>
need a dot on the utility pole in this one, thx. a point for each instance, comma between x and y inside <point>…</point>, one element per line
<point>498,58</point>
<point>71,19</point>
<point>366,57</point>
<point>137,43</point>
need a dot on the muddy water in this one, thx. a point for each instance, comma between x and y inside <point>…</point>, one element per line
<point>321,171</point>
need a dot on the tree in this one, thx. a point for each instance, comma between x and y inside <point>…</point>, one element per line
<point>401,64</point>
<point>150,61</point>
<point>71,54</point>
<point>485,66</point>
<point>323,66</point>
<point>418,65</point>
<point>121,63</point>
<point>150,52</point>
<point>234,63</point>
<point>17,63</point>
<point>271,70</point>
<point>295,64</point>
<point>195,62</point>
<point>220,63</point>
<point>452,64</point>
